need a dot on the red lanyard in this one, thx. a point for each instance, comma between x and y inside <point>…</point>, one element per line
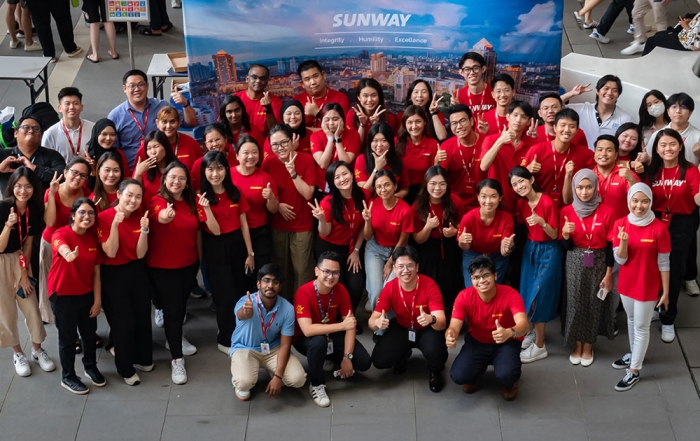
<point>668,193</point>
<point>556,169</point>
<point>26,225</point>
<point>468,168</point>
<point>351,221</point>
<point>70,141</point>
<point>262,319</point>
<point>498,123</point>
<point>138,124</point>
<point>413,301</point>
<point>481,104</point>
<point>589,237</point>
<point>177,143</point>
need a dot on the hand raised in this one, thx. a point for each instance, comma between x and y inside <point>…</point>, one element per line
<point>381,322</point>
<point>350,322</point>
<point>534,166</point>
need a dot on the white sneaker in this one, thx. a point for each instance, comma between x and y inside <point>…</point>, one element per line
<point>243,395</point>
<point>368,306</point>
<point>41,357</point>
<point>533,353</point>
<point>579,20</point>
<point>144,367</point>
<point>328,366</point>
<point>633,48</point>
<point>187,347</point>
<point>158,318</point>
<point>591,25</point>
<point>631,29</point>
<point>134,380</point>
<point>529,339</point>
<point>22,365</point>
<point>318,393</point>
<point>14,44</point>
<point>668,333</point>
<point>35,46</point>
<point>179,374</point>
<point>176,4</point>
<point>600,38</point>
<point>692,288</point>
<point>222,348</point>
<point>655,316</point>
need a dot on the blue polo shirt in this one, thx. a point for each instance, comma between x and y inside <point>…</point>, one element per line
<point>128,133</point>
<point>248,333</point>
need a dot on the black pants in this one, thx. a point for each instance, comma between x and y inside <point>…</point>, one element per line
<point>681,230</point>
<point>74,312</point>
<point>171,289</point>
<point>261,239</point>
<point>353,282</point>
<point>666,39</point>
<point>159,15</point>
<point>393,345</point>
<point>441,260</point>
<point>516,257</point>
<point>225,256</point>
<point>475,357</point>
<point>315,348</point>
<point>691,265</point>
<point>126,299</point>
<point>41,11</point>
<point>611,14</point>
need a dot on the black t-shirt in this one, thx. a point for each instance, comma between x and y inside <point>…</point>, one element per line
<point>36,224</point>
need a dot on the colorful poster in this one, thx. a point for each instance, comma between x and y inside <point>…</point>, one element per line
<point>393,42</point>
<point>127,10</point>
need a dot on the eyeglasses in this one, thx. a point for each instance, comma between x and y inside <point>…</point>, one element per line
<point>678,107</point>
<point>174,178</point>
<point>386,186</point>
<point>329,273</point>
<point>283,144</point>
<point>478,277</point>
<point>407,267</point>
<point>461,122</point>
<point>27,128</point>
<point>20,187</point>
<point>89,213</point>
<point>269,281</point>
<point>255,78</point>
<point>77,174</point>
<point>134,86</point>
<point>468,70</point>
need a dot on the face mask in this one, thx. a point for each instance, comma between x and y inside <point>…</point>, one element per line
<point>656,110</point>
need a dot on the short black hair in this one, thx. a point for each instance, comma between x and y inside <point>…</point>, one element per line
<point>605,79</point>
<point>267,71</point>
<point>522,105</point>
<point>609,138</point>
<point>551,95</point>
<point>566,113</point>
<point>69,91</point>
<point>272,270</point>
<point>33,118</point>
<point>489,183</point>
<point>457,108</point>
<point>407,251</point>
<point>482,262</point>
<point>133,72</point>
<point>328,255</point>
<point>682,99</point>
<point>474,56</point>
<point>503,78</point>
<point>307,65</point>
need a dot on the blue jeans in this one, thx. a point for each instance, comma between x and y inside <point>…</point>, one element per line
<point>475,357</point>
<point>499,260</point>
<point>376,256</point>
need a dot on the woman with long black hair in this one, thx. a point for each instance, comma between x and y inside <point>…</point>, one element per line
<point>653,113</point>
<point>380,154</point>
<point>416,147</point>
<point>109,174</point>
<point>160,155</point>
<point>369,108</point>
<point>420,94</point>
<point>234,117</point>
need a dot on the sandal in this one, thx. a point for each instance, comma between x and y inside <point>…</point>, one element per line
<point>78,346</point>
<point>87,57</point>
<point>149,32</point>
<point>168,27</point>
<point>112,55</point>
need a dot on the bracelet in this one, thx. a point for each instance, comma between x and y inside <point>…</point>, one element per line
<point>545,225</point>
<point>278,376</point>
<point>145,230</point>
<point>318,115</point>
<point>515,334</point>
<point>357,249</point>
<point>268,108</point>
<point>434,113</point>
<point>186,105</point>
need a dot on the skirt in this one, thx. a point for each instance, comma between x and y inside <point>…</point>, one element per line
<point>541,279</point>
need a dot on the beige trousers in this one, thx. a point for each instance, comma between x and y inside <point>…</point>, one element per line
<point>640,10</point>
<point>245,364</point>
<point>45,256</point>
<point>293,252</point>
<point>10,274</point>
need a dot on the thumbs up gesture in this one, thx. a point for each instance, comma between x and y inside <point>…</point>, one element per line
<point>450,231</point>
<point>465,239</point>
<point>441,156</point>
<point>483,127</point>
<point>247,309</point>
<point>507,244</point>
<point>534,166</point>
<point>118,218</point>
<point>501,334</point>
<point>432,222</point>
<point>72,255</point>
<point>569,167</point>
<point>349,322</point>
<point>145,222</point>
<point>451,338</point>
<point>382,322</point>
<point>507,136</point>
<point>625,171</point>
<point>569,228</point>
<point>267,193</point>
<point>424,319</point>
<point>12,218</point>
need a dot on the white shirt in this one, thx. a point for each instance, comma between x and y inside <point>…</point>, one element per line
<point>691,136</point>
<point>55,138</point>
<point>589,123</point>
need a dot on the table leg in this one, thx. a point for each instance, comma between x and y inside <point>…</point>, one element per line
<point>158,83</point>
<point>46,82</point>
<point>32,93</point>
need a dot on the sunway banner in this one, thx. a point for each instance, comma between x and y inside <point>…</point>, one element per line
<point>393,42</point>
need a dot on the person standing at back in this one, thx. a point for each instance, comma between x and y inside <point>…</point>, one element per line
<point>71,135</point>
<point>42,11</point>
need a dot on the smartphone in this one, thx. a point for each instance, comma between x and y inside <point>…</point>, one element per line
<point>602,294</point>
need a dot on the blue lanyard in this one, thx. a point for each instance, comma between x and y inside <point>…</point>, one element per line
<point>324,317</point>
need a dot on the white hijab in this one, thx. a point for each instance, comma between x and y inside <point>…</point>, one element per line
<point>649,216</point>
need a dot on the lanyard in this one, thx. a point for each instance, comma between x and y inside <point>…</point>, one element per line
<point>177,143</point>
<point>481,104</point>
<point>470,166</point>
<point>557,171</point>
<point>668,193</point>
<point>75,151</point>
<point>498,123</point>
<point>142,129</point>
<point>442,236</point>
<point>413,301</point>
<point>262,319</point>
<point>589,237</point>
<point>324,317</point>
<point>26,225</point>
<point>351,215</point>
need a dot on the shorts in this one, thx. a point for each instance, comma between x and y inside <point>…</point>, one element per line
<point>23,3</point>
<point>95,11</point>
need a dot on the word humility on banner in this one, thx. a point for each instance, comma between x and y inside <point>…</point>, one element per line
<point>351,20</point>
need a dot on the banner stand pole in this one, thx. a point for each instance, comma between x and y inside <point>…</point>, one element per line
<point>131,45</point>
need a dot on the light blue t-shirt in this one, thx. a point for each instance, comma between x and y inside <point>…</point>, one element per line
<point>249,334</point>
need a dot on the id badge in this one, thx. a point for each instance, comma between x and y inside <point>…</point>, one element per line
<point>329,348</point>
<point>588,259</point>
<point>412,335</point>
<point>265,348</point>
<point>666,217</point>
<point>469,188</point>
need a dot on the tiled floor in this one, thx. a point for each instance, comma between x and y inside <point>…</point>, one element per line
<point>556,401</point>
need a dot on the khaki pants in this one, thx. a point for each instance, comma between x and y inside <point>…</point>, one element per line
<point>45,256</point>
<point>640,10</point>
<point>245,364</point>
<point>10,274</point>
<point>293,252</point>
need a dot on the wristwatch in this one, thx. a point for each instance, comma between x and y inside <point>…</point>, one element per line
<point>186,105</point>
<point>434,320</point>
<point>338,140</point>
<point>348,356</point>
<point>515,334</point>
<point>252,254</point>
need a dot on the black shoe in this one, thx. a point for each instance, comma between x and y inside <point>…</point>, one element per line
<point>402,364</point>
<point>74,385</point>
<point>358,329</point>
<point>436,381</point>
<point>96,376</point>
<point>197,292</point>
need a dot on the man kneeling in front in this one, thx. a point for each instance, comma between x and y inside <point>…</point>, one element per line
<point>496,321</point>
<point>263,336</point>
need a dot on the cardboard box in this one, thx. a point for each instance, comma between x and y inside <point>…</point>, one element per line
<point>179,61</point>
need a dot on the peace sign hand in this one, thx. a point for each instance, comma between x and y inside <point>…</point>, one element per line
<point>367,212</point>
<point>55,182</point>
<point>290,164</point>
<point>360,114</point>
<point>377,113</point>
<point>532,130</point>
<point>435,104</point>
<point>317,211</point>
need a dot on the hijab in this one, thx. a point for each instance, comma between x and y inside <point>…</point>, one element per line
<point>301,130</point>
<point>585,209</point>
<point>95,150</point>
<point>649,216</point>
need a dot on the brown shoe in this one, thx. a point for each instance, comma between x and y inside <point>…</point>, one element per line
<point>509,393</point>
<point>469,388</point>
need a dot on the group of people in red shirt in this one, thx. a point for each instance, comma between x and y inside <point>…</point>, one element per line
<point>352,199</point>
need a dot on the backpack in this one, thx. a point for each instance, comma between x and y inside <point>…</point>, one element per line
<point>44,113</point>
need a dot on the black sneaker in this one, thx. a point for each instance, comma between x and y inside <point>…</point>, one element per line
<point>96,376</point>
<point>74,385</point>
<point>197,292</point>
<point>401,366</point>
<point>627,381</point>
<point>623,363</point>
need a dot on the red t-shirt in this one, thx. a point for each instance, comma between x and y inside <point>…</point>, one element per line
<point>671,192</point>
<point>437,210</point>
<point>305,167</point>
<point>172,245</point>
<point>336,304</point>
<point>486,239</point>
<point>62,215</point>
<point>319,140</point>
<point>196,170</point>
<point>579,137</point>
<point>551,175</point>
<point>361,174</point>
<point>464,171</point>
<point>226,213</point>
<point>417,159</point>
<point>348,232</point>
<point>399,120</point>
<point>253,133</point>
<point>613,191</point>
<point>388,225</point>
<point>390,119</point>
<point>406,304</point>
<point>481,316</point>
<point>639,277</point>
<point>508,156</point>
<point>332,96</point>
<point>129,233</point>
<point>546,209</point>
<point>111,198</point>
<point>73,278</point>
<point>186,149</point>
<point>592,232</point>
<point>496,123</point>
<point>251,188</point>
<point>151,188</point>
<point>256,111</point>
<point>304,145</point>
<point>480,103</point>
